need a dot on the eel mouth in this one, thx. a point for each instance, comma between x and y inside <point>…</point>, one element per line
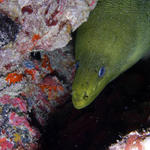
<point>80,100</point>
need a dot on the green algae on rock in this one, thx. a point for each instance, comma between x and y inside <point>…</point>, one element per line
<point>116,36</point>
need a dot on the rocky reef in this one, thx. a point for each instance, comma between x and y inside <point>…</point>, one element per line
<point>36,64</point>
<point>37,68</point>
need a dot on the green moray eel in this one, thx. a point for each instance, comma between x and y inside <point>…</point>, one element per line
<point>116,36</point>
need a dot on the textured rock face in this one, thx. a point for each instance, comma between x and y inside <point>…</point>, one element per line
<point>52,20</point>
<point>44,25</point>
<point>36,69</point>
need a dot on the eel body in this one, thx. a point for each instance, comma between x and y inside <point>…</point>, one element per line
<point>116,36</point>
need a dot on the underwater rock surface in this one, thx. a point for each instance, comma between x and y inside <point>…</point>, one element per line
<point>134,140</point>
<point>36,66</point>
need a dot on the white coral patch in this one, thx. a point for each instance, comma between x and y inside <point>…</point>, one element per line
<point>146,143</point>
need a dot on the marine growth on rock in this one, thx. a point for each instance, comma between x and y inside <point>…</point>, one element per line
<point>36,64</point>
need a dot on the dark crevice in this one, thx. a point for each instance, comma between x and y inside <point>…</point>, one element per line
<point>8,30</point>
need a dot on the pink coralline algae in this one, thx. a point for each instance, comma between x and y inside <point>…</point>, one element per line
<point>14,124</point>
<point>5,144</point>
<point>133,141</point>
<point>15,102</point>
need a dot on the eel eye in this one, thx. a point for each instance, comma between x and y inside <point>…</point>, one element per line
<point>77,65</point>
<point>101,72</point>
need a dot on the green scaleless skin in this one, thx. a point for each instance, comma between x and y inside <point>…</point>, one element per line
<point>116,36</point>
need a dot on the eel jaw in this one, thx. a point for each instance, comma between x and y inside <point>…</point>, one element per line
<point>82,97</point>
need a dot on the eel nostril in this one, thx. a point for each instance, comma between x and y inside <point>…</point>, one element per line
<point>85,96</point>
